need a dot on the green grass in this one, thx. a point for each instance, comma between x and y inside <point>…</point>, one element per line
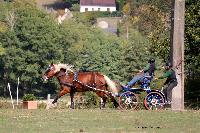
<point>98,121</point>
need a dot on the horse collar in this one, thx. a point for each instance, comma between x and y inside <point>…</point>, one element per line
<point>75,76</point>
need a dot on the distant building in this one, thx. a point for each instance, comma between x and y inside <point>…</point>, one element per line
<point>97,5</point>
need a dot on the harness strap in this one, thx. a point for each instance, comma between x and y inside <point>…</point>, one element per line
<point>75,76</point>
<point>94,89</point>
<point>73,86</point>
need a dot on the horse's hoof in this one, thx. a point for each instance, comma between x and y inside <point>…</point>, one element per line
<point>54,102</point>
<point>71,107</point>
<point>102,107</point>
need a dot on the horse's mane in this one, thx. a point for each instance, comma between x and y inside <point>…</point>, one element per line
<point>67,67</point>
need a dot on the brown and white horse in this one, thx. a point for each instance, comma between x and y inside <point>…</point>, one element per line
<point>71,82</point>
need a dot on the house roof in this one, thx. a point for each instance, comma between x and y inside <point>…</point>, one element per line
<point>97,2</point>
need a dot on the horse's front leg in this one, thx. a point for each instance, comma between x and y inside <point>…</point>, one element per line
<point>72,92</point>
<point>56,99</point>
<point>115,103</point>
<point>62,93</point>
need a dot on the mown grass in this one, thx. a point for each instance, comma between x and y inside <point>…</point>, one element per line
<point>98,121</point>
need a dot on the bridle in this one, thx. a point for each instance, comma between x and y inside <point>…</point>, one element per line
<point>50,68</point>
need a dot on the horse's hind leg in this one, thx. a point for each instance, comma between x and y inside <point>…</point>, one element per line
<point>115,103</point>
<point>103,102</point>
<point>103,99</point>
<point>72,98</point>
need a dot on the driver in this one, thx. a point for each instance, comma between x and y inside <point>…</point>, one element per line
<point>147,71</point>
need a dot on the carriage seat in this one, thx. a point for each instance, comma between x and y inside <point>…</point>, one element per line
<point>146,80</point>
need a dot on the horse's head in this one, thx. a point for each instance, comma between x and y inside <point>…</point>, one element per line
<point>53,69</point>
<point>50,72</point>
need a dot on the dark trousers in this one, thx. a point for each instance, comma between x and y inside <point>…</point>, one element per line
<point>168,90</point>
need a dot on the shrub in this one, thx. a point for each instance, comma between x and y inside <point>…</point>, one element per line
<point>42,105</point>
<point>28,97</point>
<point>75,7</point>
<point>92,100</point>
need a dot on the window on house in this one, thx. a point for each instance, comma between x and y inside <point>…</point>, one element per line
<point>86,9</point>
<point>108,9</point>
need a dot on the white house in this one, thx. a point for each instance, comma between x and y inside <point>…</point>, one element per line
<point>97,5</point>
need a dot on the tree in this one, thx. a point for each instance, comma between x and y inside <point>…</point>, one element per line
<point>30,47</point>
<point>135,56</point>
<point>152,21</point>
<point>192,49</point>
<point>120,4</point>
<point>192,38</point>
<point>89,51</point>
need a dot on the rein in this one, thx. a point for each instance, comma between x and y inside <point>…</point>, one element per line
<point>94,88</point>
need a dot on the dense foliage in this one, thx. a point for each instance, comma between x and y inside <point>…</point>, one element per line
<point>33,39</point>
<point>192,38</point>
<point>192,49</point>
<point>29,47</point>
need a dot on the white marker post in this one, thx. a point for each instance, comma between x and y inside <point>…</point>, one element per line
<point>11,95</point>
<point>48,101</point>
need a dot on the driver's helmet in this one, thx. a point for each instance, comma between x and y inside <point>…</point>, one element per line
<point>151,60</point>
<point>168,64</point>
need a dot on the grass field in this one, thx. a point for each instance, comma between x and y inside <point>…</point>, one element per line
<point>98,121</point>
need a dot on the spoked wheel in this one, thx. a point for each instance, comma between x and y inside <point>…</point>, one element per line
<point>154,101</point>
<point>128,100</point>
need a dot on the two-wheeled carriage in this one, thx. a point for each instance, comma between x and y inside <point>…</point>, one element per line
<point>154,99</point>
<point>71,82</point>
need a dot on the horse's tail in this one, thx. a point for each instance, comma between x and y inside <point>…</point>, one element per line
<point>112,85</point>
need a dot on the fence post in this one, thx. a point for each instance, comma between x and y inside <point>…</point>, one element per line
<point>11,96</point>
<point>48,100</point>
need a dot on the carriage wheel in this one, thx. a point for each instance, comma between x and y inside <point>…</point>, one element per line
<point>154,101</point>
<point>128,100</point>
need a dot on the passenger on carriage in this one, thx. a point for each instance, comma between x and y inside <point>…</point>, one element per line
<point>170,82</point>
<point>148,71</point>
